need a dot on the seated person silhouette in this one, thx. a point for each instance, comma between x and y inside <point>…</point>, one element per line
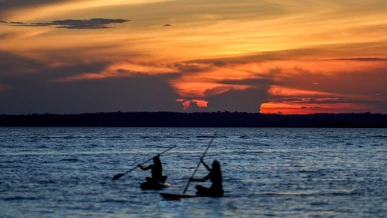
<point>157,171</point>
<point>215,176</point>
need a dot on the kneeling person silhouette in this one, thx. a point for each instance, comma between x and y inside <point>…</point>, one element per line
<point>215,176</point>
<point>157,175</point>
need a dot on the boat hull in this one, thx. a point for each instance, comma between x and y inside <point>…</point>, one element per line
<point>154,185</point>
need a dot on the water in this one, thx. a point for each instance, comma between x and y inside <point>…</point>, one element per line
<point>67,172</point>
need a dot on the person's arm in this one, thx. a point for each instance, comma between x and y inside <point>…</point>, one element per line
<point>205,165</point>
<point>201,180</point>
<point>145,168</point>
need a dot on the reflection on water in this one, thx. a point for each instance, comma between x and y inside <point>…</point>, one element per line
<point>57,172</point>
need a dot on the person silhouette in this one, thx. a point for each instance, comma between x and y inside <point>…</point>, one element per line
<point>157,171</point>
<point>215,176</point>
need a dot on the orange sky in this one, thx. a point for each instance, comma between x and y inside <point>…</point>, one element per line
<point>293,57</point>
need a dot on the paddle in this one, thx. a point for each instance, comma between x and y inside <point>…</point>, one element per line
<point>121,174</point>
<point>186,187</point>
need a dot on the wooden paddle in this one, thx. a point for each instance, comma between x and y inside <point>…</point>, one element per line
<point>186,187</point>
<point>121,174</point>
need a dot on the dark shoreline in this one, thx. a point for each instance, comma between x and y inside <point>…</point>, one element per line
<point>214,119</point>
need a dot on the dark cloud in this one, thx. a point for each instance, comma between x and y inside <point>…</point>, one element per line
<point>2,21</point>
<point>16,23</point>
<point>248,100</point>
<point>166,25</point>
<point>23,91</point>
<point>139,93</point>
<point>15,68</point>
<point>12,65</point>
<point>94,23</point>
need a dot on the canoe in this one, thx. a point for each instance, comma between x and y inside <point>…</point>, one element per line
<point>154,185</point>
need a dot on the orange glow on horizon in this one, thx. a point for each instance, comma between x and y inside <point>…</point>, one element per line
<point>287,108</point>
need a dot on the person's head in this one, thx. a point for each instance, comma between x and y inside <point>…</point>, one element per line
<point>156,159</point>
<point>216,165</point>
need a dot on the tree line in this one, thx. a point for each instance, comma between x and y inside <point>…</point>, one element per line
<point>202,119</point>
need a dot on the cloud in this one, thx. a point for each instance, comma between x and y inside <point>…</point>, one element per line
<point>248,100</point>
<point>15,68</point>
<point>12,65</point>
<point>16,23</point>
<point>353,83</point>
<point>94,23</point>
<point>140,93</point>
<point>34,93</point>
<point>23,90</point>
<point>341,91</point>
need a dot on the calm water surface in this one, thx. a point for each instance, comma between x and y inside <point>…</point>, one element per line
<point>67,172</point>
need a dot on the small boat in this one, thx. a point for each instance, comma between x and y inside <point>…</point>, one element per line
<point>176,196</point>
<point>154,185</point>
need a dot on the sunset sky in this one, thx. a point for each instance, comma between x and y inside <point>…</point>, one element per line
<point>268,56</point>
